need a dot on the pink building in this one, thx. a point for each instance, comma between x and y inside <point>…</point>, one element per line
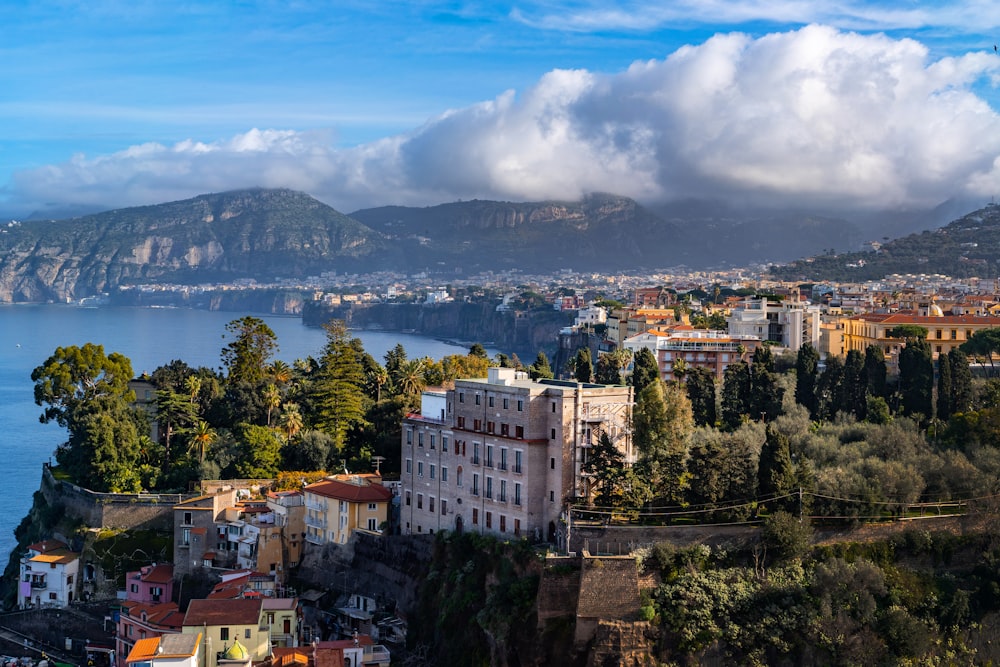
<point>151,584</point>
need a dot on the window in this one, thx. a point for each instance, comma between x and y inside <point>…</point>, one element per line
<point>372,507</point>
<point>503,490</point>
<point>475,484</point>
<point>433,468</point>
<point>409,436</point>
<point>460,422</point>
<point>420,468</point>
<point>373,525</point>
<point>444,506</point>
<point>552,496</point>
<point>407,498</point>
<point>420,501</point>
<point>246,634</point>
<point>430,504</point>
<point>490,401</point>
<point>517,493</point>
<point>477,424</point>
<point>552,436</point>
<point>134,588</point>
<point>420,439</point>
<point>503,523</point>
<point>444,443</point>
<point>518,460</point>
<point>517,528</point>
<point>444,474</point>
<point>552,463</point>
<point>475,453</point>
<point>954,334</point>
<point>489,519</point>
<point>504,430</point>
<point>475,516</point>
<point>186,536</point>
<point>489,487</point>
<point>520,405</point>
<point>224,634</point>
<point>187,518</point>
<point>432,441</point>
<point>478,399</point>
<point>519,432</point>
<point>503,458</point>
<point>506,403</point>
<point>458,476</point>
<point>489,456</point>
<point>553,407</point>
<point>53,596</point>
<point>937,334</point>
<point>409,466</point>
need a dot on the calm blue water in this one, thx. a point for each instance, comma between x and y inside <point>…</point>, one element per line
<point>150,337</point>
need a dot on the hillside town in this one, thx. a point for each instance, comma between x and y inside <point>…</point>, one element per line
<point>506,455</point>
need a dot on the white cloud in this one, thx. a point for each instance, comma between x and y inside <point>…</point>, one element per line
<point>814,116</point>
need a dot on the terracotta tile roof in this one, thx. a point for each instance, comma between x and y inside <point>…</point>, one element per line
<point>143,649</point>
<point>157,574</point>
<point>48,545</point>
<point>356,493</point>
<point>284,657</point>
<point>221,612</point>
<point>905,318</point>
<point>167,646</point>
<point>164,615</point>
<point>59,556</point>
<point>609,589</point>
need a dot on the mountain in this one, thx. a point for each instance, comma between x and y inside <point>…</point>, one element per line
<point>968,246</point>
<point>601,232</point>
<point>256,233</point>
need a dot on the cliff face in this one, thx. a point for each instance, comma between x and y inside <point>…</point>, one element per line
<point>521,332</point>
<point>260,234</point>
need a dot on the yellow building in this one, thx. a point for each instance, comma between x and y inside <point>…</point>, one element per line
<point>944,332</point>
<point>223,623</point>
<point>341,504</point>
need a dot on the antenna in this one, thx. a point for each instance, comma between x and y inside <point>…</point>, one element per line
<point>377,461</point>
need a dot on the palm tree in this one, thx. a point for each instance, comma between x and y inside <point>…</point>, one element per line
<point>410,378</point>
<point>202,437</point>
<point>290,420</point>
<point>272,398</point>
<point>378,377</point>
<point>193,386</point>
<point>280,372</point>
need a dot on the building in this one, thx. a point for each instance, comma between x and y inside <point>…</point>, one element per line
<point>697,348</point>
<point>139,621</point>
<point>151,584</point>
<point>788,323</point>
<point>340,504</point>
<point>289,509</point>
<point>281,615</point>
<point>181,650</point>
<point>502,455</point>
<point>48,575</point>
<point>944,332</point>
<point>200,535</point>
<point>224,623</point>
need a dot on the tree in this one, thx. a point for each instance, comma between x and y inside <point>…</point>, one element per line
<point>608,371</point>
<point>984,346</point>
<point>645,370</point>
<point>307,453</point>
<point>736,389</point>
<point>338,394</point>
<point>830,389</point>
<point>583,366</point>
<point>961,381</point>
<point>875,370</point>
<point>775,473</point>
<point>290,420</point>
<point>259,452</point>
<point>944,389</point>
<point>203,436</point>
<point>477,350</point>
<point>540,369</point>
<point>916,378</point>
<point>272,399</point>
<point>395,357</point>
<point>806,373</point>
<point>410,378</point>
<point>701,392</point>
<point>606,466</point>
<point>246,356</point>
<point>766,393</point>
<point>173,412</point>
<point>855,385</point>
<point>663,424</point>
<point>73,376</point>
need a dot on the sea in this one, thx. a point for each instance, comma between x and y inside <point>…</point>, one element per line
<point>150,337</point>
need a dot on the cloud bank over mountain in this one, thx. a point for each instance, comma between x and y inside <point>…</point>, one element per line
<point>813,117</point>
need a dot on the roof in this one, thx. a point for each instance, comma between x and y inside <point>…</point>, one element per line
<point>906,318</point>
<point>59,556</point>
<point>47,545</point>
<point>163,615</point>
<point>280,603</point>
<point>362,492</point>
<point>222,612</point>
<point>167,646</point>
<point>283,657</point>
<point>157,574</point>
<point>363,640</point>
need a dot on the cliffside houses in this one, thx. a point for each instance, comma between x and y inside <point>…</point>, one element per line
<point>48,575</point>
<point>341,504</point>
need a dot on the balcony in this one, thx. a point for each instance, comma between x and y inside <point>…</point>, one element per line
<point>316,522</point>
<point>315,506</point>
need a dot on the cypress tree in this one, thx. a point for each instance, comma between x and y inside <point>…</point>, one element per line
<point>855,386</point>
<point>583,366</point>
<point>829,388</point>
<point>644,370</point>
<point>961,381</point>
<point>916,378</point>
<point>806,371</point>
<point>944,389</point>
<point>701,393</point>
<point>775,472</point>
<point>875,370</point>
<point>736,390</point>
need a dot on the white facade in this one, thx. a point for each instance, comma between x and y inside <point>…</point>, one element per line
<point>48,575</point>
<point>791,324</point>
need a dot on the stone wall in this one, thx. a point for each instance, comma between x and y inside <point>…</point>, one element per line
<point>119,511</point>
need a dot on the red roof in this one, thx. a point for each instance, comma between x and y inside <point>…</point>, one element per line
<point>157,574</point>
<point>906,318</point>
<point>222,612</point>
<point>362,492</point>
<point>47,545</point>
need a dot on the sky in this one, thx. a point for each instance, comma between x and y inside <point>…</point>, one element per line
<point>779,103</point>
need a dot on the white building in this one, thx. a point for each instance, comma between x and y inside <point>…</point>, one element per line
<point>788,323</point>
<point>48,575</point>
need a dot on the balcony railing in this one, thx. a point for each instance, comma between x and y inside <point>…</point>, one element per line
<point>315,522</point>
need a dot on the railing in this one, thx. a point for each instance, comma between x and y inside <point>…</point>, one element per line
<point>376,653</point>
<point>314,522</point>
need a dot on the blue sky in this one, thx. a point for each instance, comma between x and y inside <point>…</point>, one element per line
<point>774,102</point>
